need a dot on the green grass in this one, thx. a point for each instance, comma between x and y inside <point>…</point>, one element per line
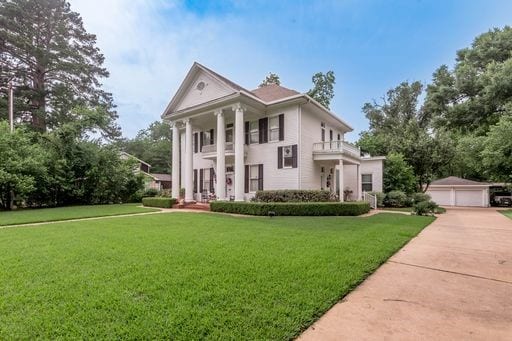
<point>26,216</point>
<point>187,276</point>
<point>507,213</point>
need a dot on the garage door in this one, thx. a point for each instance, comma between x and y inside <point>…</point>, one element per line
<point>468,198</point>
<point>441,197</point>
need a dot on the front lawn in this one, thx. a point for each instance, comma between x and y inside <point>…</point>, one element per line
<point>507,213</point>
<point>25,216</point>
<point>185,276</point>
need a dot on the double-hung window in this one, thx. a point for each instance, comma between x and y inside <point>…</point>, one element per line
<point>229,133</point>
<point>253,132</point>
<point>287,157</point>
<point>366,182</point>
<point>273,128</point>
<point>254,178</point>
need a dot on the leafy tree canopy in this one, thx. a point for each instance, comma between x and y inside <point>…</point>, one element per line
<point>323,88</point>
<point>271,78</point>
<point>53,62</point>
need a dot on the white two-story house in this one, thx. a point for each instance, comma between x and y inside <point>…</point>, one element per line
<point>229,142</point>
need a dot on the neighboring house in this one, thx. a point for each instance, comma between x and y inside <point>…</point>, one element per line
<point>156,181</point>
<point>232,142</point>
<point>454,191</point>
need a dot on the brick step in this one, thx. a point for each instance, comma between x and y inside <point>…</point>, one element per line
<point>193,206</point>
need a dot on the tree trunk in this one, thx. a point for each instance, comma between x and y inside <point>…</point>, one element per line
<point>39,100</point>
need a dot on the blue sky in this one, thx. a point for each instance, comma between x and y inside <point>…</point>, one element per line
<point>371,46</point>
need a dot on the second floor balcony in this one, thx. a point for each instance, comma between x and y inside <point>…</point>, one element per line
<point>336,150</point>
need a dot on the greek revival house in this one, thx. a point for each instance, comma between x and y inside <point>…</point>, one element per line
<point>229,142</point>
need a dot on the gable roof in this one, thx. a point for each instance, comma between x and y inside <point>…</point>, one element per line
<point>456,181</point>
<point>161,176</point>
<point>273,92</point>
<point>135,158</point>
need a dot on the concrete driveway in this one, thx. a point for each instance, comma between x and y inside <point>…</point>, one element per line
<point>452,282</point>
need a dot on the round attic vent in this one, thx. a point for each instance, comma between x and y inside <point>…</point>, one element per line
<point>200,86</point>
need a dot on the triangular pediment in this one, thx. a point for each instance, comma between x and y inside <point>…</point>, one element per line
<point>201,85</point>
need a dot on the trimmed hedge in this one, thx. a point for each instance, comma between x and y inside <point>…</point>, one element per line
<point>292,208</point>
<point>293,195</point>
<point>158,202</point>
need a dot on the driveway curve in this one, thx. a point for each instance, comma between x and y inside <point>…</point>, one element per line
<point>452,282</point>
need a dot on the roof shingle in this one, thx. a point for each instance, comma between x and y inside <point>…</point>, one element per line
<point>456,181</point>
<point>273,92</point>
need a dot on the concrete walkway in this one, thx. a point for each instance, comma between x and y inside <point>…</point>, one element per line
<point>452,282</point>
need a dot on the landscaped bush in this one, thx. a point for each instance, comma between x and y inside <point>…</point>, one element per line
<point>380,198</point>
<point>158,202</point>
<point>425,207</point>
<point>292,208</point>
<point>418,197</point>
<point>150,192</point>
<point>396,199</point>
<point>289,195</point>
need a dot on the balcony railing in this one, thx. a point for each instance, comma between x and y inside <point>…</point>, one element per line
<point>212,148</point>
<point>337,147</point>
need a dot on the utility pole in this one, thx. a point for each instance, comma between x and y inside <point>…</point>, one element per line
<point>11,106</point>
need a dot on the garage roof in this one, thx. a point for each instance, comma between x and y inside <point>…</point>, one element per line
<point>456,181</point>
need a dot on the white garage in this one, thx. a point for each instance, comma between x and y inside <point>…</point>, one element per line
<point>454,191</point>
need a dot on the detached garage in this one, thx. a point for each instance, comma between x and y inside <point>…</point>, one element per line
<point>454,191</point>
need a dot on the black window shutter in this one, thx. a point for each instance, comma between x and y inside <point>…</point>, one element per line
<point>281,127</point>
<point>246,183</point>
<point>279,157</point>
<point>201,180</point>
<point>195,180</point>
<point>212,175</point>
<point>195,142</point>
<point>247,132</point>
<point>294,156</point>
<point>260,177</point>
<point>263,130</point>
<point>201,140</point>
<point>211,136</point>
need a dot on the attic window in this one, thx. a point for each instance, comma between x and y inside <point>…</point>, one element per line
<point>200,86</point>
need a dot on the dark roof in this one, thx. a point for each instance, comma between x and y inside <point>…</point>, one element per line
<point>455,181</point>
<point>161,176</point>
<point>273,92</point>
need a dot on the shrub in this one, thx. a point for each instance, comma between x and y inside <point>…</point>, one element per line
<point>418,197</point>
<point>158,202</point>
<point>380,198</point>
<point>289,195</point>
<point>396,199</point>
<point>292,208</point>
<point>425,207</point>
<point>150,192</point>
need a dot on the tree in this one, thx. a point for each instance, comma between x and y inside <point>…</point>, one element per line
<point>474,95</point>
<point>53,62</point>
<point>397,125</point>
<point>497,150</point>
<point>323,88</point>
<point>271,78</point>
<point>152,145</point>
<point>21,161</point>
<point>398,175</point>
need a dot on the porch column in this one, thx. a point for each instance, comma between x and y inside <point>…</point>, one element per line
<point>239,153</point>
<point>175,160</point>
<point>189,168</point>
<point>221,160</point>
<point>341,180</point>
<point>359,189</point>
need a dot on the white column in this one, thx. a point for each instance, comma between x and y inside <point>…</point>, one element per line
<point>341,180</point>
<point>189,170</point>
<point>239,153</point>
<point>175,160</point>
<point>359,187</point>
<point>221,160</point>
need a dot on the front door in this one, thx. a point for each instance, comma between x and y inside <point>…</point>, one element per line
<point>229,185</point>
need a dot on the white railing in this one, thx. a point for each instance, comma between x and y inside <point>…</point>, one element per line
<point>371,199</point>
<point>212,148</point>
<point>336,147</point>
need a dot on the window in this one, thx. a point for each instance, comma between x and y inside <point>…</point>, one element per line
<point>366,182</point>
<point>339,137</point>
<point>253,132</point>
<point>322,125</point>
<point>287,157</point>
<point>229,133</point>
<point>330,135</point>
<point>208,138</point>
<point>273,128</point>
<point>254,177</point>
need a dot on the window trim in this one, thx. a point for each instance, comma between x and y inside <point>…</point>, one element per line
<point>255,132</point>
<point>367,182</point>
<point>276,129</point>
<point>289,157</point>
